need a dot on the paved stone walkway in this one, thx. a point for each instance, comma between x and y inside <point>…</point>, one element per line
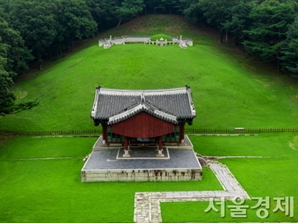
<point>147,204</point>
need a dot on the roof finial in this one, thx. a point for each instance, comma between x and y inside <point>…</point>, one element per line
<point>142,98</point>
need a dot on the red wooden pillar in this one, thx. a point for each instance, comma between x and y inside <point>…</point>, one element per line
<point>159,143</point>
<point>159,147</point>
<point>104,132</point>
<point>126,143</point>
<point>181,125</point>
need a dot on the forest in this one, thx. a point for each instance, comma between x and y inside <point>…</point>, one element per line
<point>32,31</point>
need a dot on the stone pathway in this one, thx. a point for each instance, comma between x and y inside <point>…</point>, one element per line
<point>147,204</point>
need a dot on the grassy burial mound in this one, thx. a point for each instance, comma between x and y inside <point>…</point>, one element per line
<point>227,89</point>
<point>161,36</point>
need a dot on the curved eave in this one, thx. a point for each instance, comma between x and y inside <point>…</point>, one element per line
<point>142,108</point>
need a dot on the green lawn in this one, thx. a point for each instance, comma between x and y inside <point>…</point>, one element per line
<point>49,190</point>
<point>260,177</point>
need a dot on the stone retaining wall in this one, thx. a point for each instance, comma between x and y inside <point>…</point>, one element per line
<point>108,42</point>
<point>142,175</point>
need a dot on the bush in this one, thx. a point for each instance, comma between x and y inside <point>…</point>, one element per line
<point>19,107</point>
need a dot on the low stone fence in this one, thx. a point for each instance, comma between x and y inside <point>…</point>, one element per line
<point>189,131</point>
<point>239,130</point>
<point>108,42</point>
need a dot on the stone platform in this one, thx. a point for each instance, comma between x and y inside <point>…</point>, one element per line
<point>106,163</point>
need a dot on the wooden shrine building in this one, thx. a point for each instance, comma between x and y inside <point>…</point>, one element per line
<point>143,116</point>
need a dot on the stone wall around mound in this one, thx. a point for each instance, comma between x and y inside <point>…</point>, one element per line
<point>108,42</point>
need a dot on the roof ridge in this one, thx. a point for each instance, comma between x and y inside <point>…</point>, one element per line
<point>111,91</point>
<point>142,107</point>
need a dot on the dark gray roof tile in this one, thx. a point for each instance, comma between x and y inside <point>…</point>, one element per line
<point>176,102</point>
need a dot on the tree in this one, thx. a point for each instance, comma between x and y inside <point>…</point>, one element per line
<point>75,21</point>
<point>36,22</point>
<point>171,5</point>
<point>289,50</point>
<point>103,13</point>
<point>128,9</point>
<point>238,20</point>
<point>268,31</point>
<point>7,98</point>
<point>150,6</point>
<point>217,12</point>
<point>17,55</point>
<point>192,10</point>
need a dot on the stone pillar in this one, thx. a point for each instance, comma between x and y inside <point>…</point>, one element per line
<point>159,147</point>
<point>126,153</point>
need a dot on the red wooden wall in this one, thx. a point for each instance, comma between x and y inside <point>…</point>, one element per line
<point>143,125</point>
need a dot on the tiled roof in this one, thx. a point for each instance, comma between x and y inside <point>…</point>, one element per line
<point>115,105</point>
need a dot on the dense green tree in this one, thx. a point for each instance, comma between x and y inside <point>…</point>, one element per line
<point>150,6</point>
<point>192,10</point>
<point>36,22</point>
<point>238,20</point>
<point>103,13</point>
<point>268,31</point>
<point>217,12</point>
<point>6,96</point>
<point>171,6</point>
<point>290,50</point>
<point>74,21</point>
<point>5,7</point>
<point>18,55</point>
<point>129,9</point>
<point>161,6</point>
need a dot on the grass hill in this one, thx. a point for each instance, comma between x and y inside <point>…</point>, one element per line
<point>228,89</point>
<point>40,176</point>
